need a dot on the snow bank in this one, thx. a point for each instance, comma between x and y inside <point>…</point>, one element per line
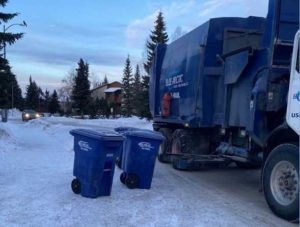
<point>14,114</point>
<point>36,169</point>
<point>7,141</point>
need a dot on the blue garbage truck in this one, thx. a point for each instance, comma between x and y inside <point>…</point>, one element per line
<point>221,92</point>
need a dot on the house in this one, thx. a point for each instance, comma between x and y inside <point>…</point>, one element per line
<point>111,92</point>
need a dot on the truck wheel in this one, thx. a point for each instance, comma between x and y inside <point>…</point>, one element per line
<point>182,142</point>
<point>76,186</point>
<point>281,181</point>
<point>123,177</point>
<point>186,141</point>
<point>165,147</point>
<point>132,181</point>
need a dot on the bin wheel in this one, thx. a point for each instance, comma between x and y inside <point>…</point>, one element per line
<point>76,186</point>
<point>123,177</point>
<point>132,181</point>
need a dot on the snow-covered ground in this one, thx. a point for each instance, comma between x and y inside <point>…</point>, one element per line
<point>36,161</point>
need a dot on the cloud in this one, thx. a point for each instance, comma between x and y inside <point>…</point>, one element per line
<point>191,13</point>
<point>63,51</point>
<point>138,30</point>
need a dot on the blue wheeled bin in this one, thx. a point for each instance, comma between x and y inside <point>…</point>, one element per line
<point>122,131</point>
<point>140,150</point>
<point>94,162</point>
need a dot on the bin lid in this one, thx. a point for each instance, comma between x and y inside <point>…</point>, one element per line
<point>98,134</point>
<point>145,134</point>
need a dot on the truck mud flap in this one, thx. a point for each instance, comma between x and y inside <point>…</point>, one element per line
<point>198,162</point>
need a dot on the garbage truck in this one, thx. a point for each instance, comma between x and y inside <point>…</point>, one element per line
<point>229,91</point>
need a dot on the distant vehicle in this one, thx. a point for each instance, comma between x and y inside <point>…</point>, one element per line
<point>29,115</point>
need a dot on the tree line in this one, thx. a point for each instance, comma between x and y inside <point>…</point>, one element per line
<point>135,93</point>
<point>10,91</point>
<point>75,94</point>
<point>135,86</point>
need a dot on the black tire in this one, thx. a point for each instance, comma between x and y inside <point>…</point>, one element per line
<point>278,187</point>
<point>132,181</point>
<point>185,141</point>
<point>165,147</point>
<point>247,165</point>
<point>123,177</point>
<point>76,186</point>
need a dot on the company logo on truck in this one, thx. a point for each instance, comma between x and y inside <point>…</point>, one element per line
<point>176,81</point>
<point>295,115</point>
<point>145,146</point>
<point>297,96</point>
<point>84,145</point>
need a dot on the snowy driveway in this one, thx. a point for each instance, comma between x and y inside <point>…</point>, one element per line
<point>36,161</point>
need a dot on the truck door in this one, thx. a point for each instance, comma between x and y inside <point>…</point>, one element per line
<point>293,107</point>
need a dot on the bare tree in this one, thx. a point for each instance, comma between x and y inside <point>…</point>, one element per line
<point>65,92</point>
<point>95,82</point>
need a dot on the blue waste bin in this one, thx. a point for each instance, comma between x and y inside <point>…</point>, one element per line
<point>94,162</point>
<point>122,131</point>
<point>140,150</point>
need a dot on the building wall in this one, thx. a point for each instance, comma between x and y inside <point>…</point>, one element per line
<point>99,91</point>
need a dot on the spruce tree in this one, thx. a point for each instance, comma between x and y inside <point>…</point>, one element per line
<point>17,100</point>
<point>105,81</point>
<point>5,88</point>
<point>54,104</point>
<point>10,92</point>
<point>81,89</point>
<point>143,99</point>
<point>7,37</point>
<point>47,100</point>
<point>127,89</point>
<point>136,90</point>
<point>32,95</point>
<point>158,35</point>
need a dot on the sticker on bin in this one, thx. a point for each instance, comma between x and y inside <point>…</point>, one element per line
<point>145,146</point>
<point>84,145</point>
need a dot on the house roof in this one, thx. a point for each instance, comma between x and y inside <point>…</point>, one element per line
<point>105,85</point>
<point>112,89</point>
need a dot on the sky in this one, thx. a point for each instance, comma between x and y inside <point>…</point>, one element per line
<point>101,32</point>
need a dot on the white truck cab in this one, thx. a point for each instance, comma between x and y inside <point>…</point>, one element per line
<point>293,108</point>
